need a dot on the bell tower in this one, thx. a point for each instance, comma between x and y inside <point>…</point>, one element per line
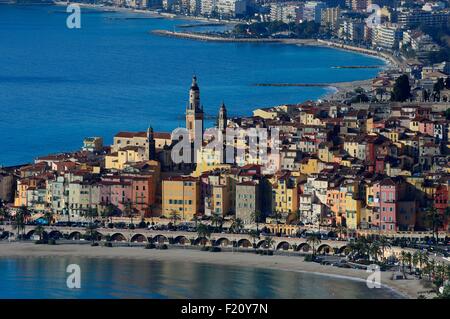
<point>194,112</point>
<point>222,119</point>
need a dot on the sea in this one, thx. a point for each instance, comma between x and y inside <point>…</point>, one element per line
<point>59,85</point>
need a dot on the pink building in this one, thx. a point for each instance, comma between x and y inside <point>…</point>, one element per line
<point>389,192</point>
<point>426,127</point>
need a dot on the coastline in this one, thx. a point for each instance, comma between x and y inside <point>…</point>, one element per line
<point>410,288</point>
<point>335,90</point>
<point>338,89</point>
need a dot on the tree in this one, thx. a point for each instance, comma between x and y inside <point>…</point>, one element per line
<point>203,231</point>
<point>375,250</point>
<point>256,215</point>
<point>384,243</point>
<point>313,240</point>
<point>268,242</point>
<point>128,210</point>
<point>109,211</point>
<point>447,83</point>
<point>39,230</point>
<point>217,222</point>
<point>236,226</point>
<point>48,217</point>
<point>174,215</point>
<point>435,220</point>
<point>402,90</point>
<point>439,85</point>
<point>91,232</point>
<point>20,218</point>
<point>91,213</point>
<point>4,213</point>
<point>254,234</point>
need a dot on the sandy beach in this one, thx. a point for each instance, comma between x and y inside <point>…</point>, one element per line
<point>410,288</point>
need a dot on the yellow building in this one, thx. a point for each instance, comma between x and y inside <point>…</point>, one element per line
<point>208,160</point>
<point>181,194</point>
<point>353,211</point>
<point>266,113</point>
<point>220,200</point>
<point>325,152</point>
<point>309,166</point>
<point>126,155</point>
<point>285,194</point>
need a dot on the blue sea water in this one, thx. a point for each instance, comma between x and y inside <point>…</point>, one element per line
<point>59,85</point>
<point>45,277</point>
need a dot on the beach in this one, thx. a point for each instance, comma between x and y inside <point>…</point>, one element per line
<point>410,288</point>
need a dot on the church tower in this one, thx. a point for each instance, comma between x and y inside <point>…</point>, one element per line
<point>194,112</point>
<point>151,144</point>
<point>222,119</point>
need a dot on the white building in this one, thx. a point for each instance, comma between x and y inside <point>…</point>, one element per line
<point>231,8</point>
<point>386,36</point>
<point>312,11</point>
<point>286,12</point>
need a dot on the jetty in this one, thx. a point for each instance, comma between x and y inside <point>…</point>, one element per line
<point>209,37</point>
<point>356,67</point>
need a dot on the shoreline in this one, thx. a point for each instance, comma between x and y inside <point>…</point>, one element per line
<point>333,91</point>
<point>410,288</point>
<point>337,89</point>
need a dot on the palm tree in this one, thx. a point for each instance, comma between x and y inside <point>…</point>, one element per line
<point>203,231</point>
<point>48,217</point>
<point>174,215</point>
<point>313,240</point>
<point>128,210</point>
<point>375,250</point>
<point>435,220</point>
<point>423,259</point>
<point>195,218</point>
<point>216,221</point>
<point>19,219</point>
<point>256,215</point>
<point>109,211</point>
<point>39,230</point>
<point>341,230</point>
<point>237,226</point>
<point>4,213</point>
<point>254,234</point>
<point>91,213</point>
<point>384,243</point>
<point>268,242</point>
<point>91,232</point>
<point>415,258</point>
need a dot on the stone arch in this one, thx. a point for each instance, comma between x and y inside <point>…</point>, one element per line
<point>118,237</point>
<point>284,245</point>
<point>304,247</point>
<point>343,249</point>
<point>325,249</point>
<point>201,241</point>
<point>138,238</point>
<point>245,243</point>
<point>76,235</point>
<point>29,234</point>
<point>55,234</point>
<point>181,240</point>
<point>261,244</point>
<point>222,242</point>
<point>160,239</point>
